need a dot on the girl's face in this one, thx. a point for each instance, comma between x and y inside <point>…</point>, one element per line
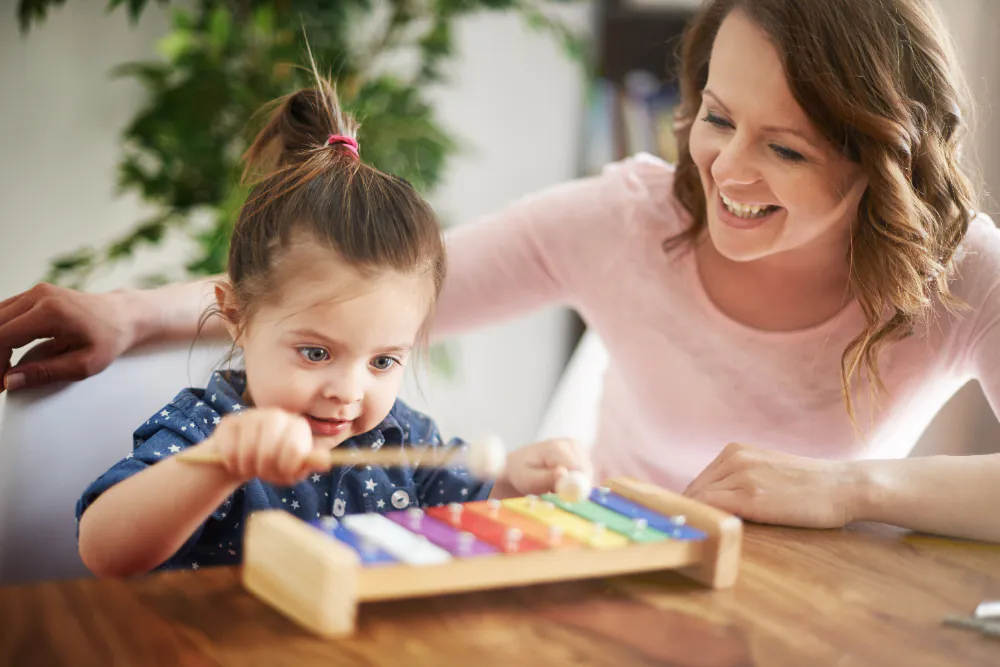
<point>332,343</point>
<point>773,185</point>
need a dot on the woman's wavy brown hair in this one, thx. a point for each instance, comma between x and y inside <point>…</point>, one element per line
<point>879,80</point>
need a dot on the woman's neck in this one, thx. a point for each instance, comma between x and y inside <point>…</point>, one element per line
<point>785,292</point>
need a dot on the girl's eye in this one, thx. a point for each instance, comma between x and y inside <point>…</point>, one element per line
<point>383,363</point>
<point>718,121</point>
<point>314,354</point>
<point>787,153</point>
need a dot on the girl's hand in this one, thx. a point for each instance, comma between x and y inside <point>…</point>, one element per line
<point>772,487</point>
<point>535,469</point>
<point>269,444</point>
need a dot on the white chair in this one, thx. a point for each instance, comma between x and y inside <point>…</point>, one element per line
<point>55,441</point>
<point>574,409</point>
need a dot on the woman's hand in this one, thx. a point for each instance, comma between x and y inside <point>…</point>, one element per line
<point>86,331</point>
<point>772,487</point>
<point>536,468</point>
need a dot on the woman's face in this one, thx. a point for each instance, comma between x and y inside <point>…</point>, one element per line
<point>772,183</point>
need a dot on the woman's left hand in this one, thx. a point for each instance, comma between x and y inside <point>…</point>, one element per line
<point>773,487</point>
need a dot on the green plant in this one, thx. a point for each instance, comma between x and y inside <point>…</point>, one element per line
<point>224,59</point>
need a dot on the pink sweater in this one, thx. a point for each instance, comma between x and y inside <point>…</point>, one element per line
<point>684,379</point>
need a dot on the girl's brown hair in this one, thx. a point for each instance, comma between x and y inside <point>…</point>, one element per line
<point>307,183</point>
<point>879,80</point>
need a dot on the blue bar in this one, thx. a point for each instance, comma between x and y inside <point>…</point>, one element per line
<point>626,507</point>
<point>369,553</point>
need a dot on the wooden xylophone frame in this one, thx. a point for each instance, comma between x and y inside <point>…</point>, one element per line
<point>318,582</point>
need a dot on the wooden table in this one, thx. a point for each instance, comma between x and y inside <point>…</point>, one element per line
<point>867,595</point>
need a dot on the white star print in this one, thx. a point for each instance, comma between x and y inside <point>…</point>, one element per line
<point>215,420</point>
<point>295,504</point>
<point>194,566</point>
<point>380,504</point>
<point>223,515</point>
<point>368,467</point>
<point>315,478</point>
<point>232,553</point>
<point>164,413</point>
<point>184,428</point>
<point>371,484</point>
<point>465,492</point>
<point>237,406</point>
<point>130,455</point>
<point>157,454</point>
<point>377,445</point>
<point>284,500</point>
<point>198,404</point>
<point>213,397</point>
<point>174,449</point>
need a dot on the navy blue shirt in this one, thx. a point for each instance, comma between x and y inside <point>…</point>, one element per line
<point>193,415</point>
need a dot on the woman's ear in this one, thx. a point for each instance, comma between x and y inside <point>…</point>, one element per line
<point>228,305</point>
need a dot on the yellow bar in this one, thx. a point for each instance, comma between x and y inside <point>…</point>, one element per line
<point>572,525</point>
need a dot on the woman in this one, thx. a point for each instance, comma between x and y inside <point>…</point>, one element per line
<point>811,279</point>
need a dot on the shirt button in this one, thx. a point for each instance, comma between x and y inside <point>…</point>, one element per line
<point>400,499</point>
<point>338,507</point>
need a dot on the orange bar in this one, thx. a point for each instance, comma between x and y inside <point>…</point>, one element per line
<point>491,531</point>
<point>529,527</point>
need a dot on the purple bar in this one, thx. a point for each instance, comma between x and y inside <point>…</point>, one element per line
<point>456,542</point>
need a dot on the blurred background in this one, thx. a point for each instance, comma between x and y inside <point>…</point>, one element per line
<point>577,83</point>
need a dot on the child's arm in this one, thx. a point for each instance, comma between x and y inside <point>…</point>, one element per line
<point>536,468</point>
<point>142,521</point>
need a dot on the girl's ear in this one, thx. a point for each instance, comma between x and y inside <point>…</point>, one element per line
<point>228,305</point>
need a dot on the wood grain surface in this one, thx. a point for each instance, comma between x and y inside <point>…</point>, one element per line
<point>866,595</point>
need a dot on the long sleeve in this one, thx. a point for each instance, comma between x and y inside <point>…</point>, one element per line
<point>980,272</point>
<point>543,249</point>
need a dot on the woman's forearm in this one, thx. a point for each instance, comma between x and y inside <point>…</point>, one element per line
<point>171,312</point>
<point>141,522</point>
<point>956,496</point>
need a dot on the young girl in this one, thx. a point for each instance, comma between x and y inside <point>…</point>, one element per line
<point>816,242</point>
<point>334,269</point>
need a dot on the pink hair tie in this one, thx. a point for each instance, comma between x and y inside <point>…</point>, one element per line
<point>352,144</point>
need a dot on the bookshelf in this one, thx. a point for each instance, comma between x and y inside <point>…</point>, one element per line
<point>630,102</point>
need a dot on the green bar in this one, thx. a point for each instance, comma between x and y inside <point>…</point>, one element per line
<point>612,520</point>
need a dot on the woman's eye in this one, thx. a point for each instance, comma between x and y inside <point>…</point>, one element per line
<point>383,363</point>
<point>718,121</point>
<point>314,354</point>
<point>787,153</point>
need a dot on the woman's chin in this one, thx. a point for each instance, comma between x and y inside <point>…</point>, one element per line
<point>740,245</point>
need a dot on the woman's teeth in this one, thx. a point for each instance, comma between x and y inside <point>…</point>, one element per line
<point>743,210</point>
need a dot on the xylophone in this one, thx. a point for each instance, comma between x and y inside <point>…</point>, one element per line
<point>317,573</point>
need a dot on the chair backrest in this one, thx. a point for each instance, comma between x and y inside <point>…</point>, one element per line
<point>55,441</point>
<point>574,409</point>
